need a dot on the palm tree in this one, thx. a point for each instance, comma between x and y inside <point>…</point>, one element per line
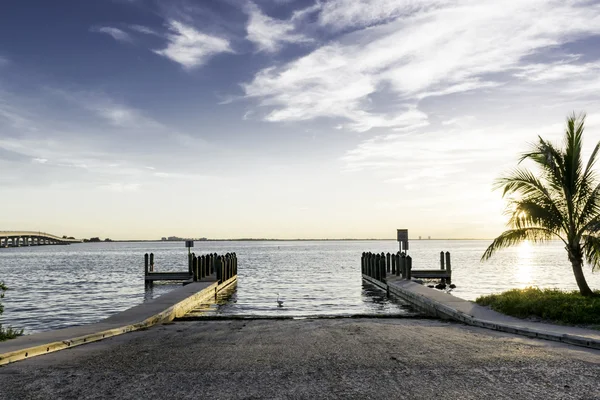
<point>562,202</point>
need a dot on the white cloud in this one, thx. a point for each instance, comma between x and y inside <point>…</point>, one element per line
<point>416,50</point>
<point>557,71</point>
<point>115,33</point>
<point>191,48</point>
<point>143,29</point>
<point>348,14</point>
<point>269,34</point>
<point>40,160</point>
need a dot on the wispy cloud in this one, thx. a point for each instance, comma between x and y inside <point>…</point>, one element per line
<point>557,71</point>
<point>144,29</point>
<point>269,34</point>
<point>191,48</point>
<point>116,33</point>
<point>413,50</point>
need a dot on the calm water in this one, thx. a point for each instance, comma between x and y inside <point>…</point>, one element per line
<point>58,286</point>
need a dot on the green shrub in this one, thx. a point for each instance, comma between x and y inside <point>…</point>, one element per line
<point>7,333</point>
<point>548,304</point>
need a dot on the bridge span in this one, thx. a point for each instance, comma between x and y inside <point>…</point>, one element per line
<point>31,238</point>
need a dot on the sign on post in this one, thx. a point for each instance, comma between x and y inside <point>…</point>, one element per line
<point>189,243</point>
<point>403,239</point>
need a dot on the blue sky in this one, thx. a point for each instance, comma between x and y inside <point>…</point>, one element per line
<point>274,118</point>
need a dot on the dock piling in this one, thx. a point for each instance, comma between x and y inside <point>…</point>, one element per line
<point>388,264</point>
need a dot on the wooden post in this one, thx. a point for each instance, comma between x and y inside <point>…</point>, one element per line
<point>195,268</point>
<point>362,263</point>
<point>393,264</point>
<point>217,262</point>
<point>190,264</point>
<point>146,264</point>
<point>408,267</point>
<point>227,266</point>
<point>383,268</point>
<point>403,265</point>
<point>377,269</point>
<point>151,262</point>
<point>448,266</point>
<point>441,260</point>
<point>388,264</point>
<point>397,258</point>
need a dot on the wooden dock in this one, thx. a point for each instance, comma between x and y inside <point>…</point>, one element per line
<point>379,266</point>
<point>204,268</point>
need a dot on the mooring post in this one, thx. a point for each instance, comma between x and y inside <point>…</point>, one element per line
<point>441,260</point>
<point>227,266</point>
<point>190,262</point>
<point>146,264</point>
<point>408,267</point>
<point>377,271</point>
<point>195,268</point>
<point>393,264</point>
<point>448,267</point>
<point>397,258</point>
<point>151,262</point>
<point>362,263</point>
<point>388,264</point>
<point>202,267</point>
<point>403,265</point>
<point>383,268</point>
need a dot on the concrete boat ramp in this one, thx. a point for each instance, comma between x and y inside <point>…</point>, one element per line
<point>160,310</point>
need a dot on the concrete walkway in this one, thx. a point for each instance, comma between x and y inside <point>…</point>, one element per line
<point>443,305</point>
<point>162,309</point>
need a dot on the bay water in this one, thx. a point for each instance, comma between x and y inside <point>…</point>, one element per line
<point>58,286</point>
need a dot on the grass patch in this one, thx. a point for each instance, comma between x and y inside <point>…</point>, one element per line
<point>9,333</point>
<point>569,308</point>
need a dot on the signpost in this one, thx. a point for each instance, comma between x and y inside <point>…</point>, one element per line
<point>403,240</point>
<point>189,244</point>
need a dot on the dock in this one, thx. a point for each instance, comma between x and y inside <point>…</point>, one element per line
<point>204,268</point>
<point>381,265</point>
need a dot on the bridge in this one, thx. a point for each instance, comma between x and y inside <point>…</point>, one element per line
<point>30,238</point>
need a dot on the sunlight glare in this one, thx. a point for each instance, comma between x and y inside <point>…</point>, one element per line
<point>523,273</point>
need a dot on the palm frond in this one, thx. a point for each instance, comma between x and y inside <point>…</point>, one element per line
<point>514,236</point>
<point>572,155</point>
<point>591,250</point>
<point>588,174</point>
<point>589,210</point>
<point>549,159</point>
<point>535,212</point>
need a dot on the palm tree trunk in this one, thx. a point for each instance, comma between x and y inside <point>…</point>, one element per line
<point>584,289</point>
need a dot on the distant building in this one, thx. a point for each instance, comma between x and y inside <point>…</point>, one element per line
<point>163,238</point>
<point>419,237</point>
<point>174,238</point>
<point>429,237</point>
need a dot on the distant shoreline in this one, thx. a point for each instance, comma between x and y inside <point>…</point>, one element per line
<point>275,240</point>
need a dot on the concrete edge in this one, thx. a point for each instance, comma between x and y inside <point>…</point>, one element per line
<point>176,310</point>
<point>439,310</point>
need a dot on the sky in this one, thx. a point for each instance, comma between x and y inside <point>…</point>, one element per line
<point>137,119</point>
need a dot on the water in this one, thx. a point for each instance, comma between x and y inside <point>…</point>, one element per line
<point>59,286</point>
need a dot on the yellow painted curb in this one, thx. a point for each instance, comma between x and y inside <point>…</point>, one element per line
<point>176,310</point>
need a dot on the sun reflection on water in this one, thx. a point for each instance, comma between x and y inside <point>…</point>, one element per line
<point>524,263</point>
